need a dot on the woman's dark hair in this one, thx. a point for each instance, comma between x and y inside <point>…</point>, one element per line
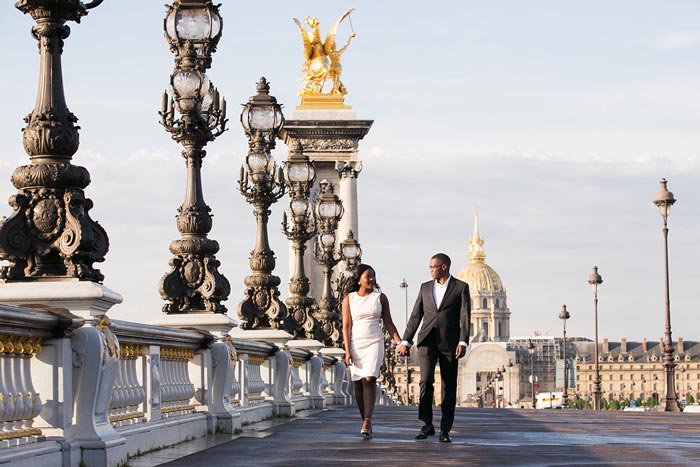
<point>354,285</point>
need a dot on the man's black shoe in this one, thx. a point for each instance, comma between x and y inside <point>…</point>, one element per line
<point>445,437</point>
<point>425,432</point>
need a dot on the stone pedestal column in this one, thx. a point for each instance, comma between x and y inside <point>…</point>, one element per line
<point>347,192</point>
<point>330,138</point>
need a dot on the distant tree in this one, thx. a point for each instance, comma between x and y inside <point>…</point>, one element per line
<point>691,399</point>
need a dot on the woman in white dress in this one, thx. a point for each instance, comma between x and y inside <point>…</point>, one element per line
<point>364,309</point>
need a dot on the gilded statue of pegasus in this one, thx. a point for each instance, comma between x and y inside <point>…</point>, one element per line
<point>322,59</point>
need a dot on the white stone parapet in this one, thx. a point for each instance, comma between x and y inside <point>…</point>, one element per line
<point>140,387</point>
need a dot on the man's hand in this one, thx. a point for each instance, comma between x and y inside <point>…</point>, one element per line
<point>402,351</point>
<point>461,351</point>
<point>348,359</point>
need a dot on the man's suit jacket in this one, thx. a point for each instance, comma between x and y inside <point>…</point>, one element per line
<point>452,317</point>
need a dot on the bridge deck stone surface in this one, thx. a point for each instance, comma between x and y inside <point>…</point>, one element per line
<point>494,437</point>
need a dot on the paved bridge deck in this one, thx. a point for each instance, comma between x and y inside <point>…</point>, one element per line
<point>502,437</point>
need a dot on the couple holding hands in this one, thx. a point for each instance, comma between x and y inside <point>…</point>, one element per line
<point>444,308</point>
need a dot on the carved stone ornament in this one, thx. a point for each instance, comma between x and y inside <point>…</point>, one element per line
<point>312,145</point>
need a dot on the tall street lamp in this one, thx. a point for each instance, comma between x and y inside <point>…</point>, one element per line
<point>262,184</point>
<point>50,233</point>
<point>510,382</point>
<point>404,286</point>
<point>682,381</point>
<point>564,316</point>
<point>531,350</point>
<point>664,200</point>
<point>350,253</point>
<point>595,280</point>
<point>499,377</point>
<point>194,116</point>
<point>328,210</point>
<point>299,175</point>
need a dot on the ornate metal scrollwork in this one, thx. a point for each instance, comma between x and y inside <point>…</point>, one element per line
<point>50,233</point>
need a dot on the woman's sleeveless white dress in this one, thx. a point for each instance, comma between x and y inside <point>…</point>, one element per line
<point>367,342</point>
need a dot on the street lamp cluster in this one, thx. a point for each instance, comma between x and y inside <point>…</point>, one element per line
<point>299,176</point>
<point>194,115</point>
<point>328,210</point>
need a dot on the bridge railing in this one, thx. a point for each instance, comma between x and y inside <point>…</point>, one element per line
<point>98,391</point>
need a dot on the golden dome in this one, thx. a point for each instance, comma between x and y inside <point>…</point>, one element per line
<point>482,279</point>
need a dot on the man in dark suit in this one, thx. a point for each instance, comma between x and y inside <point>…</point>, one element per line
<point>444,307</point>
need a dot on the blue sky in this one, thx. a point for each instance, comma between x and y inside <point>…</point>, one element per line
<point>554,119</point>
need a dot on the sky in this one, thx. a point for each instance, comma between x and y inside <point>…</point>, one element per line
<point>555,120</point>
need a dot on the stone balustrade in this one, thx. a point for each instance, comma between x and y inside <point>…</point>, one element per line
<point>97,391</point>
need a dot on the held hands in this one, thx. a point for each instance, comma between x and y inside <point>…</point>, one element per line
<point>402,351</point>
<point>461,351</point>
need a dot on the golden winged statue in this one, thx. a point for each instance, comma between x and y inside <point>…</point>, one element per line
<point>322,59</point>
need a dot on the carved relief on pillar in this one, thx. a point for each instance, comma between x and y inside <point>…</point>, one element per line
<point>350,169</point>
<point>312,145</point>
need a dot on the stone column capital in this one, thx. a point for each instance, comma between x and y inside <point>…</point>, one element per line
<point>349,169</point>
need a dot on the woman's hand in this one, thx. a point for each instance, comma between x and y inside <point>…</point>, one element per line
<point>348,359</point>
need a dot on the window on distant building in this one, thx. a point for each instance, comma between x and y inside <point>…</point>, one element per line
<point>484,303</point>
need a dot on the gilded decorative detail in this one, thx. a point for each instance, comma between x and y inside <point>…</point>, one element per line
<point>176,353</point>
<point>233,356</point>
<point>126,416</point>
<point>103,325</point>
<point>131,351</point>
<point>179,408</point>
<point>20,434</point>
<point>256,359</point>
<point>322,58</point>
<point>20,345</point>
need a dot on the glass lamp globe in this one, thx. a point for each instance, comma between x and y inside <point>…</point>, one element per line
<point>262,113</point>
<point>195,22</point>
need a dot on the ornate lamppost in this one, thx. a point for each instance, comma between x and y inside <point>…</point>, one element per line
<point>563,316</point>
<point>595,280</point>
<point>682,383</point>
<point>262,184</point>
<point>510,381</point>
<point>299,175</point>
<point>50,233</point>
<point>351,254</point>
<point>329,210</point>
<point>404,286</point>
<point>664,200</point>
<point>194,116</point>
<point>531,350</point>
<point>499,378</point>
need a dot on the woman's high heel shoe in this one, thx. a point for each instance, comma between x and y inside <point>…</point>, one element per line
<point>366,431</point>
